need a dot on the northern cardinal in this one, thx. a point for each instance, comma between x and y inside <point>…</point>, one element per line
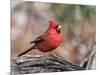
<point>49,40</point>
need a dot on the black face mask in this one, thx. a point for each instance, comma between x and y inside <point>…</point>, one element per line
<point>57,29</point>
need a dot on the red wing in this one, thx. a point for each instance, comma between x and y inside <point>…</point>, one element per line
<point>38,39</point>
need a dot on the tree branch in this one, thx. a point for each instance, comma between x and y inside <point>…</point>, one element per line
<point>41,63</point>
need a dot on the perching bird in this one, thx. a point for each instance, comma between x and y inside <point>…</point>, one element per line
<point>49,40</point>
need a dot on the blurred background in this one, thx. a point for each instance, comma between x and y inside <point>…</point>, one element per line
<point>30,19</point>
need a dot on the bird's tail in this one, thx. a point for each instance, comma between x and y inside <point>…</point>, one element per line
<point>26,51</point>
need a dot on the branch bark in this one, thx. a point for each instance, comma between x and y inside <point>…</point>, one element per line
<point>28,64</point>
<point>91,65</point>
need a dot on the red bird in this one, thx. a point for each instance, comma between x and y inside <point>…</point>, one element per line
<point>49,40</point>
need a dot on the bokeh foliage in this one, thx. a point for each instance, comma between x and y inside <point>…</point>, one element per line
<point>65,12</point>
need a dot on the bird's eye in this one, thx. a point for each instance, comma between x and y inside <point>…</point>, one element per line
<point>58,28</point>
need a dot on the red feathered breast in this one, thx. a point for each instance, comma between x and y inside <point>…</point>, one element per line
<point>51,41</point>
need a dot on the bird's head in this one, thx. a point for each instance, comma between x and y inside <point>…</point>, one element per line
<point>55,26</point>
